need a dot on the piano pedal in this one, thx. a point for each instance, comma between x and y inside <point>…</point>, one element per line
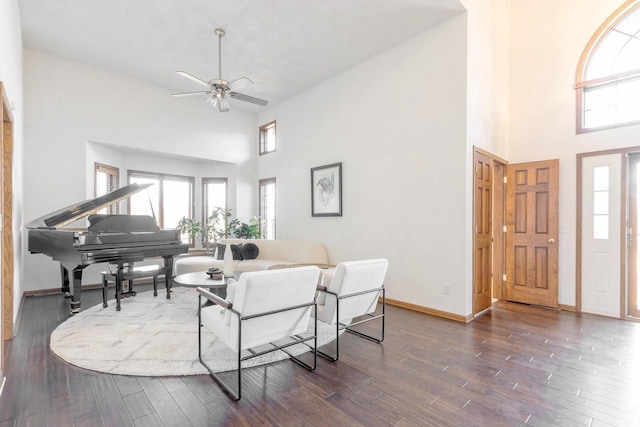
<point>127,294</point>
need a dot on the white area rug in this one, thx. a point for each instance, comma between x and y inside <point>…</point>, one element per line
<point>152,336</point>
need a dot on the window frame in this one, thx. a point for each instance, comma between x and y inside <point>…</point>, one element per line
<point>262,141</point>
<point>626,9</point>
<point>261,208</point>
<point>114,208</point>
<point>161,177</point>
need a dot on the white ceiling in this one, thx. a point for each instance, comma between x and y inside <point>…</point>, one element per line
<point>284,46</point>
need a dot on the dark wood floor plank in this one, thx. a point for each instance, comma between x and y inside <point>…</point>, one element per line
<point>84,403</point>
<point>190,405</point>
<point>58,411</point>
<point>138,405</point>
<point>127,385</point>
<point>164,405</point>
<point>112,406</point>
<point>150,420</point>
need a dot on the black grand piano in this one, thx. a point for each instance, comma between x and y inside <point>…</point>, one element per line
<point>115,239</point>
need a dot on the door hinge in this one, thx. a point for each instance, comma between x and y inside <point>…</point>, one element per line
<point>504,179</point>
<point>504,228</point>
<point>504,277</point>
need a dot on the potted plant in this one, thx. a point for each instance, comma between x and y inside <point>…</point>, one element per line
<point>219,225</point>
<point>243,230</point>
<point>208,232</point>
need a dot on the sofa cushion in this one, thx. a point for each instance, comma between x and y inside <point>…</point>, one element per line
<point>193,264</point>
<point>258,264</point>
<point>295,251</point>
<point>236,250</point>
<point>250,251</point>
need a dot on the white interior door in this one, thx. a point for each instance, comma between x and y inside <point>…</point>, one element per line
<point>601,258</point>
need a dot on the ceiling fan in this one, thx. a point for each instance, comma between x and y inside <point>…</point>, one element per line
<point>218,89</point>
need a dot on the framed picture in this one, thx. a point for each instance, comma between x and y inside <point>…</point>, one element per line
<point>326,190</point>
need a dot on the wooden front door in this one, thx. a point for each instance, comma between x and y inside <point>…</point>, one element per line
<point>482,275</point>
<point>532,233</point>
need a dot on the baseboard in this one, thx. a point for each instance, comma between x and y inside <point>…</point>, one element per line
<point>432,311</point>
<point>567,307</point>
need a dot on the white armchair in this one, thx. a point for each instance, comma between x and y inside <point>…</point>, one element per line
<point>352,292</point>
<point>261,308</point>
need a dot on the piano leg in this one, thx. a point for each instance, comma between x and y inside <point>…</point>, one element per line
<point>64,276</point>
<point>168,277</point>
<point>119,281</point>
<point>75,292</point>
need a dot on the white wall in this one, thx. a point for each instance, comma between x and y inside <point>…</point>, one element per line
<point>11,77</point>
<point>68,104</point>
<point>547,39</point>
<point>487,101</point>
<point>397,123</point>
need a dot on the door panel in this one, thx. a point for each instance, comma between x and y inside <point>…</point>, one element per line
<point>483,262</point>
<point>532,233</point>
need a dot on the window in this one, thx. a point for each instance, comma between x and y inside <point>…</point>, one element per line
<point>168,200</point>
<point>601,202</point>
<point>608,80</point>
<point>106,180</point>
<point>267,208</point>
<point>214,195</point>
<point>268,138</point>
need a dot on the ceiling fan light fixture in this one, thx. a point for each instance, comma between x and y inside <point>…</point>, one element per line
<point>223,105</point>
<point>213,99</point>
<point>220,89</point>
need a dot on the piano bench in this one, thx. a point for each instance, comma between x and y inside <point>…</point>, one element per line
<point>130,275</point>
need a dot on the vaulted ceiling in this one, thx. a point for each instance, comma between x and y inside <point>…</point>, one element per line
<point>284,46</point>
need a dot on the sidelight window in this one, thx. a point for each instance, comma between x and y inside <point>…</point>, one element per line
<point>601,202</point>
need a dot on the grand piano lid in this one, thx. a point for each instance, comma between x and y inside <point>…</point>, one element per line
<point>80,210</point>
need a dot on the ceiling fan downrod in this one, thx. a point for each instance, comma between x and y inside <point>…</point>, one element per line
<point>220,33</point>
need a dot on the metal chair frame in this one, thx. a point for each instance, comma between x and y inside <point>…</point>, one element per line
<point>297,339</point>
<point>346,327</point>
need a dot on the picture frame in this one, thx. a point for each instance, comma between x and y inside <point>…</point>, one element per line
<point>326,190</point>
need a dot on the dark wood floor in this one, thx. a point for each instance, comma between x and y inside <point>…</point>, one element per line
<point>515,365</point>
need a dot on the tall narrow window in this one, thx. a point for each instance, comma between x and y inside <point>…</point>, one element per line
<point>267,208</point>
<point>601,202</point>
<point>168,199</point>
<point>106,180</point>
<point>214,195</point>
<point>608,77</point>
<point>268,138</point>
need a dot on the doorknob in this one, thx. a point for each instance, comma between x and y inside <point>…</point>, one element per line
<point>552,240</point>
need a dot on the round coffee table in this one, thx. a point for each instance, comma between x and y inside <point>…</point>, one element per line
<point>202,280</point>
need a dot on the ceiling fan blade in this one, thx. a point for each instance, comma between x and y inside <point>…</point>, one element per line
<point>247,98</point>
<point>202,92</point>
<point>192,77</point>
<point>240,82</point>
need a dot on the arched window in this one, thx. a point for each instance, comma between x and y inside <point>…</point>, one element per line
<point>608,76</point>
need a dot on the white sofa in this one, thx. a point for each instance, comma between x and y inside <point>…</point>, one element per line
<point>271,252</point>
